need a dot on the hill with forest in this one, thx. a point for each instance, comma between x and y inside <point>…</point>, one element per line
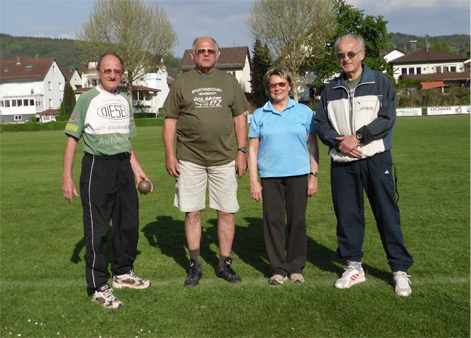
<point>456,44</point>
<point>66,55</point>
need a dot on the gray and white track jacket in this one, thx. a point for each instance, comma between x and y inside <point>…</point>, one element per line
<point>373,114</point>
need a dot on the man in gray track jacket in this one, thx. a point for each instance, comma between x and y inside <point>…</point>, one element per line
<point>355,118</point>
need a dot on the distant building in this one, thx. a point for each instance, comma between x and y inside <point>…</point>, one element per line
<point>29,87</point>
<point>431,64</point>
<point>148,93</point>
<point>73,77</point>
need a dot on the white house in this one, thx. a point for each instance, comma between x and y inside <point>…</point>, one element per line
<point>431,64</point>
<point>29,87</point>
<point>148,93</point>
<point>393,55</point>
<point>233,60</point>
<point>73,77</point>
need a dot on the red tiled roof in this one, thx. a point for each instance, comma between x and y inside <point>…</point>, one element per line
<point>433,84</point>
<point>430,55</point>
<point>24,70</point>
<point>230,58</point>
<point>50,112</point>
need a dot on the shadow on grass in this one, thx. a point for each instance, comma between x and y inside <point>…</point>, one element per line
<point>76,253</point>
<point>169,236</point>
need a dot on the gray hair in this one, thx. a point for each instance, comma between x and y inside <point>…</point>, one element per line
<point>349,36</point>
<point>196,40</point>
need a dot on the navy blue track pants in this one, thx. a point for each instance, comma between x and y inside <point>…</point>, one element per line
<point>374,176</point>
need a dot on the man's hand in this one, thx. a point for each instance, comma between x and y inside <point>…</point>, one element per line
<point>349,146</point>
<point>171,164</point>
<point>241,164</point>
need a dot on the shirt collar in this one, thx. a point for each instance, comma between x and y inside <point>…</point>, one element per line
<point>268,107</point>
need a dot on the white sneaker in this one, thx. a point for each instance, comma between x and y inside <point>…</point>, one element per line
<point>130,280</point>
<point>296,278</point>
<point>277,280</point>
<point>402,283</point>
<point>350,277</point>
<point>104,297</point>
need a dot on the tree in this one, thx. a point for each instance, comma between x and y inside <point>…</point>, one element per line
<point>294,30</point>
<point>140,34</point>
<point>68,101</point>
<point>442,45</point>
<point>261,63</point>
<point>352,21</point>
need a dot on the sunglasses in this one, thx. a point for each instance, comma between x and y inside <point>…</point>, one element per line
<point>109,71</point>
<point>204,51</point>
<point>281,84</point>
<point>350,55</point>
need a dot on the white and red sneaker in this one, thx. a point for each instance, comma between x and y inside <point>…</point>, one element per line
<point>350,277</point>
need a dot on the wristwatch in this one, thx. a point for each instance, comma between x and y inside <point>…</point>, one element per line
<point>316,174</point>
<point>243,149</point>
<point>359,136</point>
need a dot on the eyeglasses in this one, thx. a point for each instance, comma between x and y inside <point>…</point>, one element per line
<point>281,84</point>
<point>204,51</point>
<point>109,71</point>
<point>350,55</point>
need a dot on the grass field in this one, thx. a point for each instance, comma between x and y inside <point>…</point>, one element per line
<point>43,292</point>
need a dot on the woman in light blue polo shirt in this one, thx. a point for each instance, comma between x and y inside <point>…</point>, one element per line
<point>283,147</point>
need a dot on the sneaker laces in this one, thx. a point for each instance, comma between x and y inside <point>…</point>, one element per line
<point>348,271</point>
<point>403,281</point>
<point>108,293</point>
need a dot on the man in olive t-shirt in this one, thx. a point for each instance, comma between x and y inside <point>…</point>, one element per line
<point>204,109</point>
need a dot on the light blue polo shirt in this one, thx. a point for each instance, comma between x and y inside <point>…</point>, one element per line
<point>283,148</point>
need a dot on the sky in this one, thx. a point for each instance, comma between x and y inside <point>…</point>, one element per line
<point>224,20</point>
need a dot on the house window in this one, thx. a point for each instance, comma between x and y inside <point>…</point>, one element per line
<point>453,69</point>
<point>49,85</point>
<point>18,117</point>
<point>1,104</point>
<point>25,102</point>
<point>7,103</point>
<point>404,71</point>
<point>20,103</point>
<point>95,82</point>
<point>50,103</point>
<point>13,103</point>
<point>31,102</point>
<point>60,86</point>
<point>32,91</point>
<point>411,70</point>
<point>419,70</point>
<point>29,67</point>
<point>438,69</point>
<point>54,69</point>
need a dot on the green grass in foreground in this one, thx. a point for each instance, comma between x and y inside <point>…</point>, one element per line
<point>43,291</point>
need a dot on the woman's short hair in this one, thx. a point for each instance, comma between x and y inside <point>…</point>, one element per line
<point>282,72</point>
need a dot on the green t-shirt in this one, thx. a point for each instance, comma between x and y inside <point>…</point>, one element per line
<point>104,120</point>
<point>205,105</point>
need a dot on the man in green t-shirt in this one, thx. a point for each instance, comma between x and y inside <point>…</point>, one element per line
<point>204,109</point>
<point>103,118</point>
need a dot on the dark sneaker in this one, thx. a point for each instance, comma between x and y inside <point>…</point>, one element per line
<point>227,273</point>
<point>194,275</point>
<point>104,297</point>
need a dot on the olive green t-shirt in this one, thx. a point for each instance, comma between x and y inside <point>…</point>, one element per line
<point>205,105</point>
